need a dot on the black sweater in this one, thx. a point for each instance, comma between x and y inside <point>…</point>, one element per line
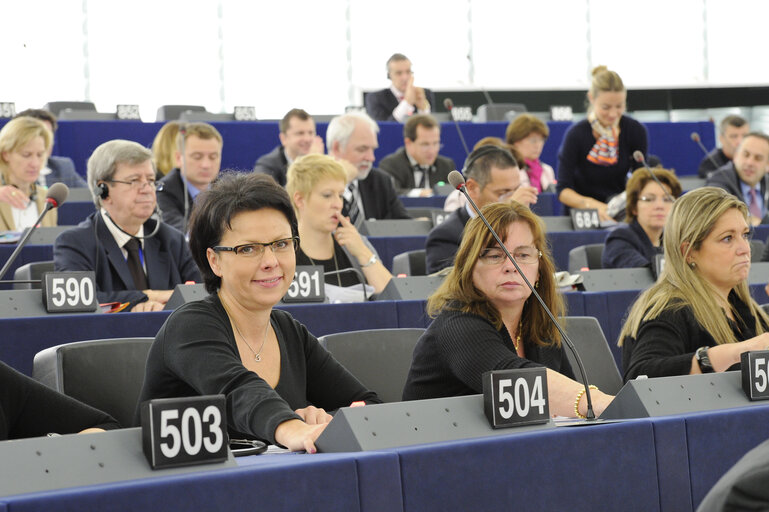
<point>457,348</point>
<point>31,409</point>
<point>195,353</point>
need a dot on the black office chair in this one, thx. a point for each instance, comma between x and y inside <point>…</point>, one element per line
<point>379,358</point>
<point>174,112</point>
<point>757,248</point>
<point>29,272</point>
<point>411,263</point>
<point>588,338</point>
<point>106,374</point>
<point>585,256</point>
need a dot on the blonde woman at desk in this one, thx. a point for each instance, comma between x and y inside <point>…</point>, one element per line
<point>24,146</point>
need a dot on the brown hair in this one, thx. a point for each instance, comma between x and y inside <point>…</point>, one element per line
<point>458,291</point>
<point>523,125</point>
<point>638,181</point>
<point>293,113</point>
<point>424,120</point>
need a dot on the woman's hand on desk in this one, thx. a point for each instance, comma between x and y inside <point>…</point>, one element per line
<point>297,435</point>
<point>147,305</point>
<point>313,415</point>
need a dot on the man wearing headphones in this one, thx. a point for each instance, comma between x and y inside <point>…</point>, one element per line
<point>137,260</point>
<point>402,99</point>
<point>491,175</point>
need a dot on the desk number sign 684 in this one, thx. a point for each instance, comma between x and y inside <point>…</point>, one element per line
<point>515,397</point>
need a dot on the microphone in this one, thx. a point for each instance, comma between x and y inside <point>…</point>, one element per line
<point>696,138</point>
<point>353,270</point>
<point>457,180</point>
<point>639,157</point>
<point>487,96</point>
<point>449,104</point>
<point>57,195</point>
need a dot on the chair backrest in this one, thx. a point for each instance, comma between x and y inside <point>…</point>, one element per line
<point>45,235</point>
<point>31,271</point>
<point>610,279</point>
<point>756,250</point>
<point>106,374</point>
<point>585,256</point>
<point>588,338</point>
<point>379,358</point>
<point>173,112</point>
<point>411,263</point>
<point>557,223</point>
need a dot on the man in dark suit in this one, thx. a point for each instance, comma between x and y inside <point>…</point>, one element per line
<point>417,167</point>
<point>402,99</point>
<point>198,158</point>
<point>731,131</point>
<point>59,169</point>
<point>746,176</point>
<point>136,259</point>
<point>352,138</point>
<point>297,138</point>
<point>491,175</point>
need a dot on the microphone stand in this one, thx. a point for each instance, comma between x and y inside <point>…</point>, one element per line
<point>23,241</point>
<point>590,416</point>
<point>353,270</point>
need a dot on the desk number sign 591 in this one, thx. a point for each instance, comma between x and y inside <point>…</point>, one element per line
<point>515,397</point>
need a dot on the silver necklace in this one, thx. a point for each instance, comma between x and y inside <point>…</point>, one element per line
<point>257,355</point>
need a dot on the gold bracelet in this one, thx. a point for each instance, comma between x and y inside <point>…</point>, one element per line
<point>576,402</point>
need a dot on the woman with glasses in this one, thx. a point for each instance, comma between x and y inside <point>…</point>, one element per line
<point>636,243</point>
<point>699,317</point>
<point>485,318</point>
<point>277,379</point>
<point>316,185</point>
<point>24,146</point>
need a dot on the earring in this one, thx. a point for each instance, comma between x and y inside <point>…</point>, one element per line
<point>692,265</point>
<point>536,283</point>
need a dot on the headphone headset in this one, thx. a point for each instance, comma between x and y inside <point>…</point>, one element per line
<point>101,190</point>
<point>479,153</point>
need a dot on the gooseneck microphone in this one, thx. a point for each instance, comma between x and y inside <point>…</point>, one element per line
<point>638,156</point>
<point>457,180</point>
<point>57,196</point>
<point>696,138</point>
<point>449,104</point>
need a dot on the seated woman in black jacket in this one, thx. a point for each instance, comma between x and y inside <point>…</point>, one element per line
<point>648,206</point>
<point>699,317</point>
<point>31,409</point>
<point>485,319</point>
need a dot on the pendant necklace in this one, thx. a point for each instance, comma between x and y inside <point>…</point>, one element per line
<point>257,354</point>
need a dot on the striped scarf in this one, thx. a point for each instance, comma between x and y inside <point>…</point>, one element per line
<point>604,151</point>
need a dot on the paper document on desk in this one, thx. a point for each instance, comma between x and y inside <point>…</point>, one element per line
<point>339,294</point>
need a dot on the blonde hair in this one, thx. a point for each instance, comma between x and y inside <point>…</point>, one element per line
<point>692,219</point>
<point>306,172</point>
<point>17,133</point>
<point>605,80</point>
<point>164,147</point>
<point>458,291</point>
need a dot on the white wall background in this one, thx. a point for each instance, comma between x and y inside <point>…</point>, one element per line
<point>320,55</point>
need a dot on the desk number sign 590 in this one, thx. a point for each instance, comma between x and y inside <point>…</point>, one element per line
<point>515,397</point>
<point>183,431</point>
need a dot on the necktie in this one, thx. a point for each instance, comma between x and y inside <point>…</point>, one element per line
<point>353,210</point>
<point>755,208</point>
<point>135,264</point>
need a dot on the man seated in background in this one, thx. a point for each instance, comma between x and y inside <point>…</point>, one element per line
<point>352,138</point>
<point>417,167</point>
<point>746,176</point>
<point>297,138</point>
<point>198,159</point>
<point>402,99</point>
<point>59,169</point>
<point>136,259</point>
<point>731,131</point>
<point>491,175</point>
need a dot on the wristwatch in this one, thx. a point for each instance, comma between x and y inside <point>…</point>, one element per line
<point>703,360</point>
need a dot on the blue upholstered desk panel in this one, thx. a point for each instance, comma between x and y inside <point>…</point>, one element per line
<point>244,142</point>
<point>547,470</point>
<point>74,212</point>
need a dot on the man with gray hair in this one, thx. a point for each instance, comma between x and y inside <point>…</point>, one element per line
<point>137,260</point>
<point>352,137</point>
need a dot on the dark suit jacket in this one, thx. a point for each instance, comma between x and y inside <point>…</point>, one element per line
<point>166,256</point>
<point>275,164</point>
<point>380,104</point>
<point>63,171</point>
<point>379,198</point>
<point>444,239</point>
<point>706,165</point>
<point>628,246</point>
<point>726,178</point>
<point>171,199</point>
<point>398,166</point>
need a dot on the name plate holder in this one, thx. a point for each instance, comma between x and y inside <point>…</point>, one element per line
<point>513,398</point>
<point>308,285</point>
<point>70,292</point>
<point>584,219</point>
<point>755,377</point>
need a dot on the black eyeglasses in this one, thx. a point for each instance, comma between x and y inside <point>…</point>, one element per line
<point>138,183</point>
<point>256,249</point>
